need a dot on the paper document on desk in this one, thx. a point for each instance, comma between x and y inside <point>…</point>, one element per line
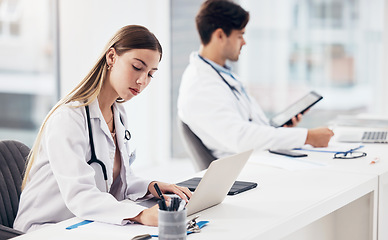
<point>288,163</point>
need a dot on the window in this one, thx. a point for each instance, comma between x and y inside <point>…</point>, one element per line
<point>331,46</point>
<point>27,79</point>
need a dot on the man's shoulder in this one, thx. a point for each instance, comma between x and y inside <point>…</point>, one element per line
<point>198,71</point>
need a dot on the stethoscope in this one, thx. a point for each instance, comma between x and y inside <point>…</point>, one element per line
<point>232,88</point>
<point>93,158</point>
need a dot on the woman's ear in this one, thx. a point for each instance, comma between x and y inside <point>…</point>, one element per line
<point>110,57</point>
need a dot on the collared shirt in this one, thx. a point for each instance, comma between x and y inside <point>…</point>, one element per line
<point>228,70</point>
<point>224,69</point>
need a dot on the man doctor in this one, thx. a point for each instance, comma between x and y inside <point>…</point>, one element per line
<point>213,102</point>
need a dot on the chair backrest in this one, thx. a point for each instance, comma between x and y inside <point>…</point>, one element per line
<point>12,163</point>
<point>198,152</point>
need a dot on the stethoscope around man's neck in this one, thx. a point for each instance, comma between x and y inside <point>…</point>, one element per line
<point>93,158</point>
<point>232,88</point>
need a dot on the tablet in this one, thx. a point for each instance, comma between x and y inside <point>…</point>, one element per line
<point>293,110</point>
<point>237,187</point>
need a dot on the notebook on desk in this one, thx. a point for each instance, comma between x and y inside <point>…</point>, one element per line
<point>216,182</point>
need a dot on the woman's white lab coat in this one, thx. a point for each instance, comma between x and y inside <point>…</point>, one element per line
<point>62,185</point>
<point>211,110</point>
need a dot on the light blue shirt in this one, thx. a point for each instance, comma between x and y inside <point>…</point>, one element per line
<point>228,70</point>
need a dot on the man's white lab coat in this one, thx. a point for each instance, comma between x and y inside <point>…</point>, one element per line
<point>221,120</point>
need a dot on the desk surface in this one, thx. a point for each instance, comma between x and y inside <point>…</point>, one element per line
<point>284,202</point>
<point>364,166</point>
<point>358,165</point>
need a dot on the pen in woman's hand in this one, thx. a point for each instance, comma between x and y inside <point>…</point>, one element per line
<point>163,201</point>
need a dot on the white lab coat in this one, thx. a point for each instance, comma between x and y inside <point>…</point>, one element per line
<point>62,185</point>
<point>207,105</point>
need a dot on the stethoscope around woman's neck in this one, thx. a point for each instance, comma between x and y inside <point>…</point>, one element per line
<point>93,158</point>
<point>232,88</point>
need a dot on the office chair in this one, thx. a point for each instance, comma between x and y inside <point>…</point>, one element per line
<point>12,161</point>
<point>199,153</point>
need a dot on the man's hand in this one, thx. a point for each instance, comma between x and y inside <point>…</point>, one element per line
<point>319,137</point>
<point>295,121</point>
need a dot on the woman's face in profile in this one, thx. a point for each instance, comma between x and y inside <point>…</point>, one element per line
<point>132,71</point>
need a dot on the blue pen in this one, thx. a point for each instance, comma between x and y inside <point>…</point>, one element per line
<point>329,151</point>
<point>78,224</point>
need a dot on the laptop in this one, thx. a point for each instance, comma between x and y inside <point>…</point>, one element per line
<point>216,182</point>
<point>363,136</point>
<point>237,187</point>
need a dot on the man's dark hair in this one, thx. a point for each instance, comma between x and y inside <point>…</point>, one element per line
<point>223,14</point>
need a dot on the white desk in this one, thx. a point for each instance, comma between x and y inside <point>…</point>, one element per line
<point>294,205</point>
<point>309,204</point>
<point>363,166</point>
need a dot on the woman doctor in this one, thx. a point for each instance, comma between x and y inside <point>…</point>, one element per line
<point>59,182</point>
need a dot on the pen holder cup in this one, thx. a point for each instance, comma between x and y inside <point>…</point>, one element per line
<point>172,225</point>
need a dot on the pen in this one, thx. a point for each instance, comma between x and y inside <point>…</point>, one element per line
<point>329,151</point>
<point>142,237</point>
<point>175,202</point>
<point>182,205</point>
<point>78,224</point>
<point>375,160</point>
<point>162,205</point>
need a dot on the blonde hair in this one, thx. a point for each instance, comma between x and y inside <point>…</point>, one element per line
<point>127,38</point>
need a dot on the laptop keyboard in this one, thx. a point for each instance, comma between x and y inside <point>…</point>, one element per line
<point>375,137</point>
